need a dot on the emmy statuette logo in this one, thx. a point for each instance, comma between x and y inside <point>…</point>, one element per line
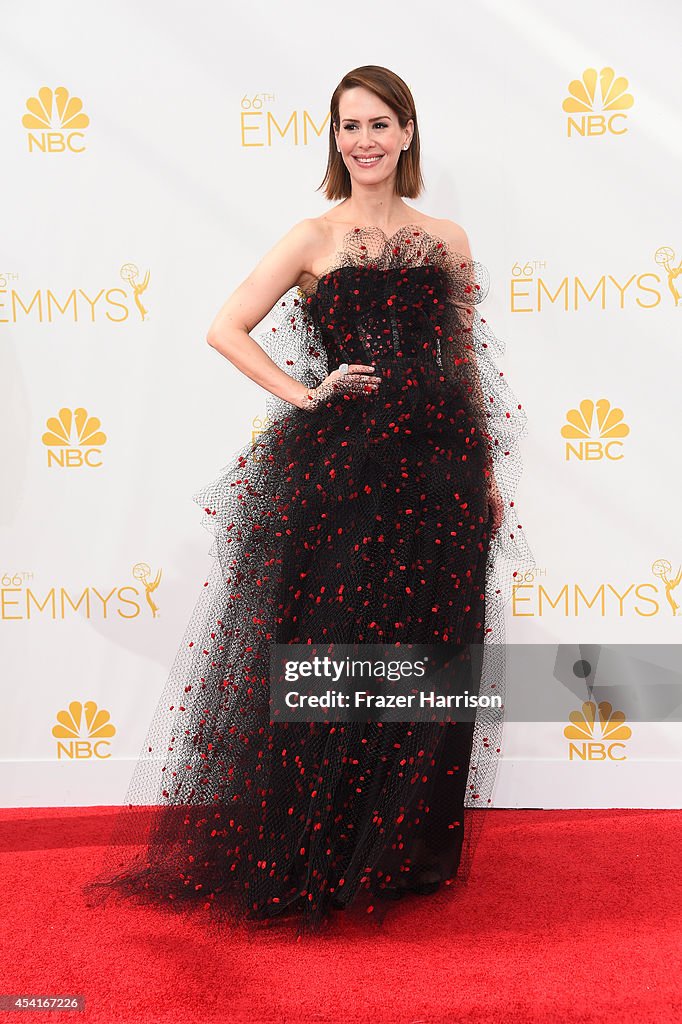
<point>142,573</point>
<point>665,257</point>
<point>130,275</point>
<point>662,569</point>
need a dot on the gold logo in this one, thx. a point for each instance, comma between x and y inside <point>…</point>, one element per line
<point>59,118</point>
<point>665,257</point>
<point>258,427</point>
<point>83,731</point>
<point>262,126</point>
<point>20,600</point>
<point>663,569</point>
<point>45,306</point>
<point>141,571</point>
<point>598,731</point>
<point>130,274</point>
<point>598,427</point>
<point>71,429</point>
<point>598,100</point>
<point>531,597</point>
<point>535,288</point>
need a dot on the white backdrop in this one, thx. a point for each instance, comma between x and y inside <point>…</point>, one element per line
<point>182,141</point>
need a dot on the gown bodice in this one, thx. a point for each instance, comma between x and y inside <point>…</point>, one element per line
<point>370,314</point>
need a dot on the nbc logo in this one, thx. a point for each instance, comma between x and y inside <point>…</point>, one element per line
<point>594,431</point>
<point>597,114</point>
<point>597,733</point>
<point>54,121</point>
<point>83,731</point>
<point>71,429</point>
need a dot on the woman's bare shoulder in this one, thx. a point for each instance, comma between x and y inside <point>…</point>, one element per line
<point>303,233</point>
<point>311,234</point>
<point>319,238</point>
<point>453,234</point>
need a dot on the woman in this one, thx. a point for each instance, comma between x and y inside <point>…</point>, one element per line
<point>377,508</point>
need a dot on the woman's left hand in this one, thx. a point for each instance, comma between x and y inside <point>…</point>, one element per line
<point>496,505</point>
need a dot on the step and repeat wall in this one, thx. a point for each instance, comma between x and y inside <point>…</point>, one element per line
<point>152,154</point>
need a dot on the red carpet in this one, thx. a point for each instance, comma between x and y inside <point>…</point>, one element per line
<point>569,916</point>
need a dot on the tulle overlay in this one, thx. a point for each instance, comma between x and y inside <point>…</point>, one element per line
<point>364,520</point>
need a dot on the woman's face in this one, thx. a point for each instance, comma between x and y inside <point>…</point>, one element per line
<point>369,136</point>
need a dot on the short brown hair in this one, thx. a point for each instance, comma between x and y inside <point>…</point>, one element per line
<point>390,88</point>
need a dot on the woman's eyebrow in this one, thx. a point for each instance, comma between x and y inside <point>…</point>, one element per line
<point>379,117</point>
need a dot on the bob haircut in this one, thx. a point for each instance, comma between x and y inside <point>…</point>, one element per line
<point>390,88</point>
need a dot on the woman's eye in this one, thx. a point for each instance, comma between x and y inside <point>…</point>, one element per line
<point>379,124</point>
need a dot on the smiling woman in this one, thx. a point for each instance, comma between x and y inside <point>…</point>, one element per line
<point>374,128</point>
<point>377,508</point>
<point>370,158</point>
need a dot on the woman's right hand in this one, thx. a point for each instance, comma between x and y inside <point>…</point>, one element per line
<point>359,379</point>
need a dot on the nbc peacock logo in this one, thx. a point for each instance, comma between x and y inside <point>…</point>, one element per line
<point>55,121</point>
<point>594,431</point>
<point>74,439</point>
<point>597,104</point>
<point>83,731</point>
<point>597,733</point>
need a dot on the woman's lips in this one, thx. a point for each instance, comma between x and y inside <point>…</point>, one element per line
<point>368,161</point>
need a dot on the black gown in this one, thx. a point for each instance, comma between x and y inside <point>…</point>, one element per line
<point>363,520</point>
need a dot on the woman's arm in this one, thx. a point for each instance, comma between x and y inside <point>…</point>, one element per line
<point>279,270</point>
